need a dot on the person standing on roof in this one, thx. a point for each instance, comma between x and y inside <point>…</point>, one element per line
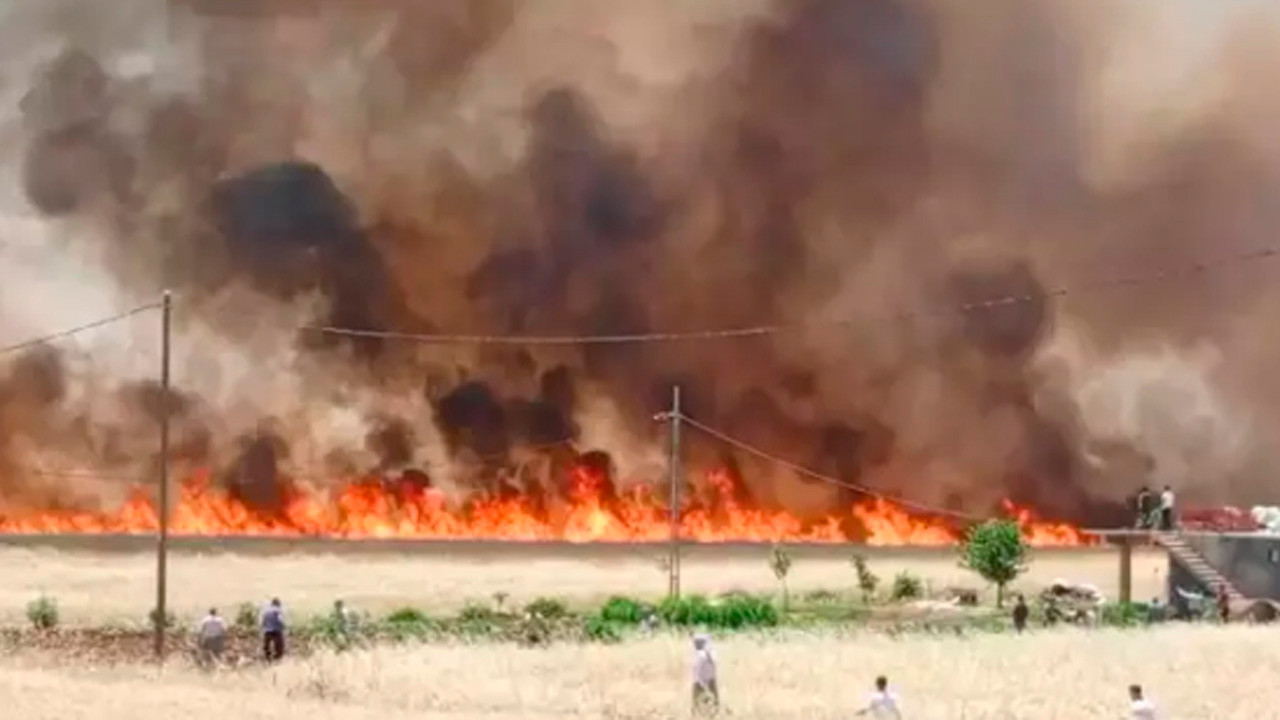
<point>273,631</point>
<point>1167,502</point>
<point>1142,508</point>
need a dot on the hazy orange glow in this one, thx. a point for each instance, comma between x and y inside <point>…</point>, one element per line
<point>377,509</point>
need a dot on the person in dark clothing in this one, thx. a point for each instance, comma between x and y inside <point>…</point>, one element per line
<point>1224,604</point>
<point>1020,614</point>
<point>273,631</point>
<point>1142,508</point>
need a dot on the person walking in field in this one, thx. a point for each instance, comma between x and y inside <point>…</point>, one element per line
<point>1167,501</point>
<point>273,631</point>
<point>211,638</point>
<point>1140,708</point>
<point>1020,614</point>
<point>706,692</point>
<point>344,622</point>
<point>883,704</point>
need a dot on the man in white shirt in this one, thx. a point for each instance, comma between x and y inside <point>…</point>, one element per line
<point>706,695</point>
<point>1166,508</point>
<point>884,703</point>
<point>211,637</point>
<point>1140,708</point>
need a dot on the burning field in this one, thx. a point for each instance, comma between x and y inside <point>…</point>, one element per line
<point>410,508</point>
<point>436,265</point>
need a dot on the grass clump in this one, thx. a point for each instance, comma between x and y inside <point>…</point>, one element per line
<point>906,587</point>
<point>625,610</point>
<point>598,629</point>
<point>246,617</point>
<point>43,613</point>
<point>474,613</point>
<point>733,612</point>
<point>408,616</point>
<point>746,611</point>
<point>1124,614</point>
<point>547,608</point>
<point>822,596</point>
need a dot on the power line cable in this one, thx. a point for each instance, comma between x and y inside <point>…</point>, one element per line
<point>815,475</point>
<point>76,330</point>
<point>1182,272</point>
<point>308,474</point>
<point>549,339</point>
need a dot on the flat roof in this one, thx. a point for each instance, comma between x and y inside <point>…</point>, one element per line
<point>1150,534</point>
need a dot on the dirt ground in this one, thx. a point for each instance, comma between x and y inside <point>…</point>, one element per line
<point>98,588</point>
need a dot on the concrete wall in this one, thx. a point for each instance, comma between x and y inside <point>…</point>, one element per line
<point>1250,562</point>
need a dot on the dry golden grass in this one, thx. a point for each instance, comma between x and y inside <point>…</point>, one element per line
<point>1191,672</point>
<point>110,587</point>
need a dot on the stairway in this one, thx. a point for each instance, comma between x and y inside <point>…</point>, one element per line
<point>1195,564</point>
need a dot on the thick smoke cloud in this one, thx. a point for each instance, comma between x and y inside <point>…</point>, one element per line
<point>561,168</point>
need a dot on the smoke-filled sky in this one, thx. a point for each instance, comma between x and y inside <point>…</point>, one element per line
<point>576,167</point>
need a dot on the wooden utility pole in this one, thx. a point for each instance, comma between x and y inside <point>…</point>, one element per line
<point>1126,568</point>
<point>673,465</point>
<point>162,511</point>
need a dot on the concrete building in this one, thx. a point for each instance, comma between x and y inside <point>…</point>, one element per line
<point>1246,564</point>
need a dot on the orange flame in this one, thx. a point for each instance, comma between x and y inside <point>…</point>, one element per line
<point>375,509</point>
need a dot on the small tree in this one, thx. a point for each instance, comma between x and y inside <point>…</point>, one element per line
<point>867,580</point>
<point>996,551</point>
<point>246,617</point>
<point>43,613</point>
<point>906,587</point>
<point>780,564</point>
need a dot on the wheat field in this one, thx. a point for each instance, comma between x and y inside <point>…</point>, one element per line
<point>95,588</point>
<point>1190,672</point>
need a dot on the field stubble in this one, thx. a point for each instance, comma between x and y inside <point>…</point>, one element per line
<point>95,588</point>
<point>1192,672</point>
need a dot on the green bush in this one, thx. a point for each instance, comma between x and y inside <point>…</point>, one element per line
<point>408,616</point>
<point>43,613</point>
<point>620,609</point>
<point>906,587</point>
<point>246,617</point>
<point>821,596</point>
<point>686,610</point>
<point>473,613</point>
<point>598,629</point>
<point>1124,614</point>
<point>731,612</point>
<point>547,608</point>
<point>743,611</point>
<point>330,629</point>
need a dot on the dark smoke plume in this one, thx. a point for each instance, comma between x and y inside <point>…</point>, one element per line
<point>847,167</point>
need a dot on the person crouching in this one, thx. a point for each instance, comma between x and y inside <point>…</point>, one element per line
<point>211,638</point>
